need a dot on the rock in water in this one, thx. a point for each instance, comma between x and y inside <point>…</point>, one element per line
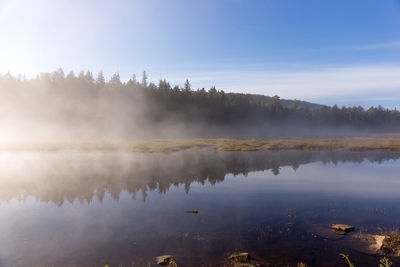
<point>164,259</point>
<point>342,228</point>
<point>192,211</point>
<point>378,241</point>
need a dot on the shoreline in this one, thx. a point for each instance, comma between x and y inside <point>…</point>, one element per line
<point>352,144</point>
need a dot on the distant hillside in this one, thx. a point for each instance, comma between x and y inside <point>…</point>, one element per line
<point>286,103</point>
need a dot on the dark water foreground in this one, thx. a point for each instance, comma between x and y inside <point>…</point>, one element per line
<point>92,209</point>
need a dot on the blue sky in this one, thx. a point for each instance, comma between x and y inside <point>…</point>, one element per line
<point>333,51</point>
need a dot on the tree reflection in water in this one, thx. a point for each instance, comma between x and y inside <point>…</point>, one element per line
<point>59,177</point>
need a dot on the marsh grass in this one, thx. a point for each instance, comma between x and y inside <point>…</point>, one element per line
<point>355,144</point>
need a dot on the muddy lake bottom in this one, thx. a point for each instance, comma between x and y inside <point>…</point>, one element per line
<point>124,209</point>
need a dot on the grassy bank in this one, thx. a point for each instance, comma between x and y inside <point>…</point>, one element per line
<point>356,144</point>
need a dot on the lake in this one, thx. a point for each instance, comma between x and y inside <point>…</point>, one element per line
<point>124,209</point>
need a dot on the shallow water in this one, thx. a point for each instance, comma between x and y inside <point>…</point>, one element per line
<point>97,208</point>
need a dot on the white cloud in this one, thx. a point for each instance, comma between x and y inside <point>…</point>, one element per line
<point>380,45</point>
<point>318,83</point>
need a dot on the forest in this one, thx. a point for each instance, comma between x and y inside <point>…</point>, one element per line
<point>91,102</point>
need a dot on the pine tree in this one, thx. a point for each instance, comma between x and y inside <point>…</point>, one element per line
<point>100,78</point>
<point>144,79</point>
<point>115,79</point>
<point>89,76</point>
<point>187,85</point>
<point>132,81</point>
<point>71,75</point>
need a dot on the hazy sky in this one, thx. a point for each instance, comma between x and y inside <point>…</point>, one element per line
<point>333,51</point>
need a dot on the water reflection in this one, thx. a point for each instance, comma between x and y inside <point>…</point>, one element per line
<point>76,209</point>
<point>60,177</point>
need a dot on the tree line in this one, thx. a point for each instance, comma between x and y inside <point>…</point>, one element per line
<point>151,102</point>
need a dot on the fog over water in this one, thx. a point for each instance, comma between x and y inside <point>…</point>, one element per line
<point>216,133</point>
<point>57,107</point>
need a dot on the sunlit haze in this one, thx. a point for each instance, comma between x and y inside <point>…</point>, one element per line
<point>330,52</point>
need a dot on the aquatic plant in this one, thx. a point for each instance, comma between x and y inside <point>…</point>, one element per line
<point>391,243</point>
<point>172,263</point>
<point>264,232</point>
<point>384,262</point>
<point>347,259</point>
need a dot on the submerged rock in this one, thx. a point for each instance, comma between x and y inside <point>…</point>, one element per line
<point>192,211</point>
<point>243,259</point>
<point>342,229</point>
<point>165,259</point>
<point>377,241</point>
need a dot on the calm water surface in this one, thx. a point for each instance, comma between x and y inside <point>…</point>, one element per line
<point>97,208</point>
